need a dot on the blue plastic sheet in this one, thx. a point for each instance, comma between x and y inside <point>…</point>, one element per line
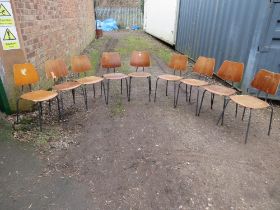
<point>107,25</point>
<point>135,28</point>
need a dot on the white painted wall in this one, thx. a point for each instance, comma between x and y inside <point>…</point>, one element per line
<point>160,19</point>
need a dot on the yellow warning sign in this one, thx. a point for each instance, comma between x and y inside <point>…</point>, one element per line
<point>9,35</point>
<point>9,38</point>
<point>3,11</point>
<point>6,14</point>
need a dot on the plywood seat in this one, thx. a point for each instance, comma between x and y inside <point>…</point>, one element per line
<point>66,86</point>
<point>194,82</point>
<point>140,74</point>
<point>89,80</point>
<point>39,95</point>
<point>170,77</point>
<point>115,76</point>
<point>249,101</point>
<point>220,90</point>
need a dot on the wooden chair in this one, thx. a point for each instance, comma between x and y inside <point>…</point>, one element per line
<point>27,75</point>
<point>178,63</point>
<point>140,59</point>
<point>57,71</point>
<point>112,60</point>
<point>81,64</point>
<point>264,81</point>
<point>203,67</point>
<point>229,71</point>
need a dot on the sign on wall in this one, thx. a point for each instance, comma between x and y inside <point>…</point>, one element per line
<point>8,31</point>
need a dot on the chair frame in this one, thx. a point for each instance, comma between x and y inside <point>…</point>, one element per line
<point>171,65</point>
<point>221,118</point>
<point>38,104</point>
<point>143,69</point>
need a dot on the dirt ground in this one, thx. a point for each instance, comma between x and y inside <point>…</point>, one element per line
<point>141,154</point>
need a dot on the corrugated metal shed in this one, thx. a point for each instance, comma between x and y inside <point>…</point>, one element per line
<point>125,16</point>
<point>241,30</point>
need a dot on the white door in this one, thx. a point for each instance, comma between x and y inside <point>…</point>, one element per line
<point>160,19</point>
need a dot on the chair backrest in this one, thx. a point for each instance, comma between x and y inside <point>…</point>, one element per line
<point>178,62</point>
<point>231,71</point>
<point>266,81</point>
<point>80,63</point>
<point>140,59</point>
<point>205,66</point>
<point>110,60</point>
<point>25,74</point>
<point>56,69</point>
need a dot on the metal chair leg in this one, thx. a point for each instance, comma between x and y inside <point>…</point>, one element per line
<point>104,91</point>
<point>243,113</point>
<point>186,93</point>
<point>93,87</point>
<point>201,102</point>
<point>40,109</point>
<point>127,89</point>
<point>248,126</point>
<point>121,86</point>
<point>178,92</point>
<point>270,121</point>
<point>224,109</point>
<point>212,100</point>
<point>130,78</point>
<point>150,88</point>
<point>73,95</point>
<point>197,98</point>
<point>17,104</point>
<point>174,94</point>
<point>85,96</point>
<point>108,88</point>
<point>62,105</point>
<point>236,110</point>
<point>156,90</point>
<point>58,107</point>
<point>166,91</point>
<point>101,87</point>
<point>50,106</point>
<point>190,94</point>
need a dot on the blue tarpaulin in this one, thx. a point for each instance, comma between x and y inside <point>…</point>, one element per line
<point>107,25</point>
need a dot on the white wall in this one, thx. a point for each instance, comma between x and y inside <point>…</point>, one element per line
<point>160,19</point>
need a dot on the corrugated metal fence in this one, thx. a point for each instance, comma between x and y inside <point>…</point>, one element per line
<point>125,17</point>
<point>220,29</point>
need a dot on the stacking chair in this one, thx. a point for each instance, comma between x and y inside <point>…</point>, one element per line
<point>264,81</point>
<point>203,67</point>
<point>57,71</point>
<point>140,60</point>
<point>81,64</point>
<point>112,60</point>
<point>178,63</point>
<point>229,71</point>
<point>27,75</point>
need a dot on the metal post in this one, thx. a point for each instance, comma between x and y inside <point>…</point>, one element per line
<point>127,90</point>
<point>40,115</point>
<point>201,102</point>
<point>243,113</point>
<point>150,88</point>
<point>178,92</point>
<point>17,104</point>
<point>236,110</point>
<point>186,93</point>
<point>197,98</point>
<point>108,88</point>
<point>270,121</point>
<point>130,78</point>
<point>212,100</point>
<point>174,95</point>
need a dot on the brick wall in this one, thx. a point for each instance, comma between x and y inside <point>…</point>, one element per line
<point>54,28</point>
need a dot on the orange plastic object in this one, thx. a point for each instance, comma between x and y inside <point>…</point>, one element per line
<point>231,71</point>
<point>266,81</point>
<point>205,66</point>
<point>81,63</point>
<point>110,60</point>
<point>140,59</point>
<point>178,62</point>
<point>25,74</point>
